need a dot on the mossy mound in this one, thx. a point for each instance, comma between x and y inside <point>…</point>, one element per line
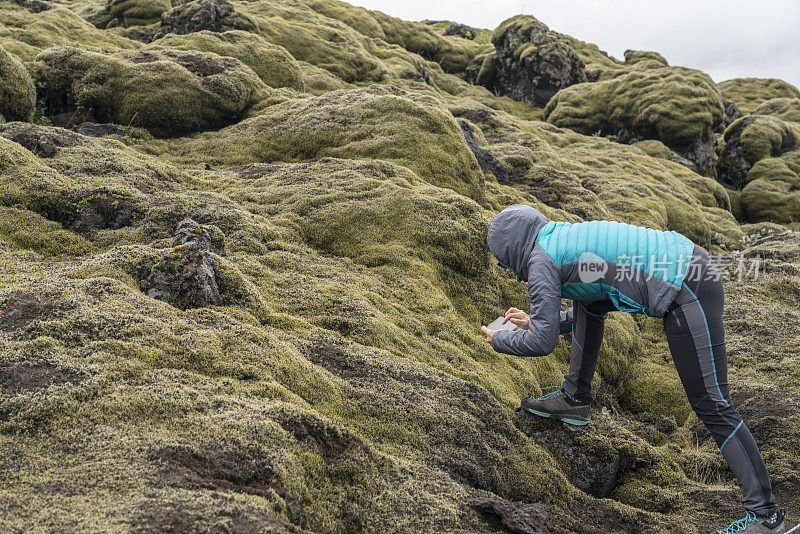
<point>673,104</point>
<point>453,53</point>
<point>749,93</point>
<point>635,56</point>
<point>273,64</point>
<point>379,122</point>
<point>787,109</point>
<point>772,192</point>
<point>25,33</point>
<point>137,12</point>
<point>749,140</point>
<point>168,92</point>
<point>681,107</point>
<point>17,93</point>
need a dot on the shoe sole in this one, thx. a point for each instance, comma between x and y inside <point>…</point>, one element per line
<point>575,422</point>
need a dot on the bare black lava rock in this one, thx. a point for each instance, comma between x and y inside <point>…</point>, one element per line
<point>486,160</point>
<point>41,144</point>
<point>597,476</point>
<point>199,15</point>
<point>730,114</point>
<point>532,63</point>
<point>515,517</point>
<point>94,129</point>
<point>461,30</point>
<point>186,277</point>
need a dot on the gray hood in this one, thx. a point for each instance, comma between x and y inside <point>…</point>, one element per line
<point>512,235</point>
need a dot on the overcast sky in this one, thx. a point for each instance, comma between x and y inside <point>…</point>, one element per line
<point>725,38</point>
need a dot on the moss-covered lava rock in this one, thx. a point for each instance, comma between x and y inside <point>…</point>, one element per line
<point>17,93</point>
<point>273,64</point>
<point>749,93</point>
<point>530,63</point>
<point>680,107</point>
<point>749,140</point>
<point>169,92</point>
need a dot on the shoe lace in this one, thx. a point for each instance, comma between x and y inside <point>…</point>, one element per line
<point>740,525</point>
<point>556,393</point>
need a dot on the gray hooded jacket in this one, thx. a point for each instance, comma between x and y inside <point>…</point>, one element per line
<point>512,240</point>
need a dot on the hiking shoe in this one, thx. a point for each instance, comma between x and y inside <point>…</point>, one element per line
<point>752,524</point>
<point>557,406</point>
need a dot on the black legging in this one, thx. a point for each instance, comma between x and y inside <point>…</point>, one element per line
<point>696,337</point>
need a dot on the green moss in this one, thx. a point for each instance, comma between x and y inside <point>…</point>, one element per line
<point>17,93</point>
<point>674,104</point>
<point>142,88</point>
<point>26,33</point>
<point>763,137</point>
<point>273,64</point>
<point>379,122</point>
<point>786,109</point>
<point>772,192</point>
<point>319,81</point>
<point>749,93</point>
<point>635,56</point>
<point>138,12</point>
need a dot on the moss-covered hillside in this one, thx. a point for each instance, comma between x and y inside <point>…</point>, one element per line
<point>243,270</point>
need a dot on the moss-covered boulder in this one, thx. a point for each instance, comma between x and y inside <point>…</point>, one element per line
<point>749,93</point>
<point>375,123</point>
<point>168,92</point>
<point>772,192</point>
<point>137,12</point>
<point>274,65</point>
<point>749,140</point>
<point>530,62</point>
<point>17,93</point>
<point>680,107</point>
<point>787,109</point>
<point>199,15</point>
<point>635,56</point>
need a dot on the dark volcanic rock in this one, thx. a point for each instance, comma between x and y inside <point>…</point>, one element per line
<point>486,160</point>
<point>207,237</point>
<point>199,15</point>
<point>461,30</point>
<point>730,115</point>
<point>101,210</point>
<point>41,144</point>
<point>736,159</point>
<point>532,63</point>
<point>186,277</point>
<point>596,476</point>
<point>94,129</point>
<point>37,6</point>
<point>515,517</point>
<point>701,154</point>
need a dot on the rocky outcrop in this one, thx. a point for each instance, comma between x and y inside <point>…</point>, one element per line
<point>186,277</point>
<point>531,63</point>
<point>199,15</point>
<point>516,517</point>
<point>635,56</point>
<point>748,140</point>
<point>461,30</point>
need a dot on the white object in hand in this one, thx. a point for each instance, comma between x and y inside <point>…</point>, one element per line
<point>497,324</point>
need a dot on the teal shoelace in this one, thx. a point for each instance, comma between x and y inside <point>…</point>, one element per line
<point>556,393</point>
<point>740,525</point>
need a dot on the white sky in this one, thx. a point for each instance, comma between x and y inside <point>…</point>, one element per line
<point>725,38</point>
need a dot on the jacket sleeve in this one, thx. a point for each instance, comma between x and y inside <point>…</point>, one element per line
<point>544,288</point>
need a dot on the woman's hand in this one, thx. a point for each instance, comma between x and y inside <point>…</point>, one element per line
<point>489,334</point>
<point>518,317</point>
